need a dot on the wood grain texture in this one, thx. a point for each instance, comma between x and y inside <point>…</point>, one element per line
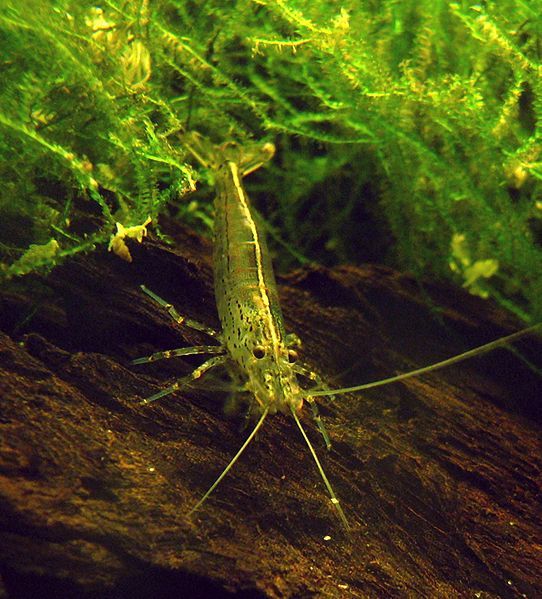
<point>440,476</point>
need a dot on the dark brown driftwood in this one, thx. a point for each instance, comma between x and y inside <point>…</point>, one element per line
<point>439,476</point>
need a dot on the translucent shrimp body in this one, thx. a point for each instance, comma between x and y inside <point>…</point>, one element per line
<point>247,299</point>
<point>254,348</point>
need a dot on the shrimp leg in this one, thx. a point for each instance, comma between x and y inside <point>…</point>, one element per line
<point>186,380</point>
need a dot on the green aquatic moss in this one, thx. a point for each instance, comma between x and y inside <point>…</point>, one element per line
<point>407,132</point>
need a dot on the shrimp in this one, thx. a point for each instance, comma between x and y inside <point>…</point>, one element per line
<point>253,345</point>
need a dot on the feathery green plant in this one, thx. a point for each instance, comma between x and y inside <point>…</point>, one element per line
<point>424,117</point>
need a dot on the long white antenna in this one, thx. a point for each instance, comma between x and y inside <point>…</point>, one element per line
<point>334,499</point>
<point>232,462</point>
<point>482,349</point>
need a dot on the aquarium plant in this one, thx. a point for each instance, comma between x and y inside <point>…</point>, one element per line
<point>406,132</point>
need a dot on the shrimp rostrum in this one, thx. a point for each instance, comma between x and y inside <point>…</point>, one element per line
<point>253,345</point>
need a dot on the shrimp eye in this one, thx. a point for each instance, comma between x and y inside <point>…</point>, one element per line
<point>258,352</point>
<point>292,356</point>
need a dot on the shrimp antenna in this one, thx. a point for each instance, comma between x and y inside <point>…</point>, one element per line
<point>333,496</point>
<point>232,462</point>
<point>482,349</point>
